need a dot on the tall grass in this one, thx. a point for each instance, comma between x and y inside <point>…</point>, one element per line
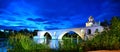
<point>22,43</point>
<point>68,44</point>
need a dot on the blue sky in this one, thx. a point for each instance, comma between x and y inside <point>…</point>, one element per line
<point>54,14</point>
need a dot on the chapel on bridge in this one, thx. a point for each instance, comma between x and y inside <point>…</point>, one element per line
<point>91,22</point>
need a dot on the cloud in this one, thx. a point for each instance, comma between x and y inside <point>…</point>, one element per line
<point>37,19</point>
<point>55,14</point>
<point>53,28</point>
<point>16,27</point>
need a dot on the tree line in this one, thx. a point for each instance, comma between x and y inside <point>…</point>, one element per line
<point>8,32</point>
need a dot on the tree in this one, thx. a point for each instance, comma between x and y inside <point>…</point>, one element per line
<point>115,23</point>
<point>105,23</point>
<point>35,32</point>
<point>26,30</point>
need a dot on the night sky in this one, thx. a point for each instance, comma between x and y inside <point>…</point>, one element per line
<point>54,14</point>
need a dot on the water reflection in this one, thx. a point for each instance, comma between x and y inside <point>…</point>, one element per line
<point>55,43</point>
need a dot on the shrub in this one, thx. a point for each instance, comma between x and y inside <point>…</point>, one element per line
<point>105,40</point>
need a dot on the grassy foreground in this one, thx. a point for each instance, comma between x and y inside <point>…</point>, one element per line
<point>22,43</point>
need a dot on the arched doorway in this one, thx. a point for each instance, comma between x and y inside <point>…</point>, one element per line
<point>89,31</point>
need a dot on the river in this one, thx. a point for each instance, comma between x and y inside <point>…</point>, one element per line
<point>55,43</point>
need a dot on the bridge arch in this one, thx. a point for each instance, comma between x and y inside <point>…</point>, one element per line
<point>62,34</point>
<point>47,35</point>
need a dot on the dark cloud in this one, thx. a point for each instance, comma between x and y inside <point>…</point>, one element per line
<point>37,19</point>
<point>52,22</point>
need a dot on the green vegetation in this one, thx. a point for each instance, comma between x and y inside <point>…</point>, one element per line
<point>109,39</point>
<point>22,43</point>
<point>69,44</point>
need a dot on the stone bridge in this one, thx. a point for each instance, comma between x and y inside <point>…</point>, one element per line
<point>84,33</point>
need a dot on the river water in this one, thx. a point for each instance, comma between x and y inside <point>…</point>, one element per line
<point>55,43</point>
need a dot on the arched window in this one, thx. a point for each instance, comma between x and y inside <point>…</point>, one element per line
<point>89,31</point>
<point>96,31</point>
